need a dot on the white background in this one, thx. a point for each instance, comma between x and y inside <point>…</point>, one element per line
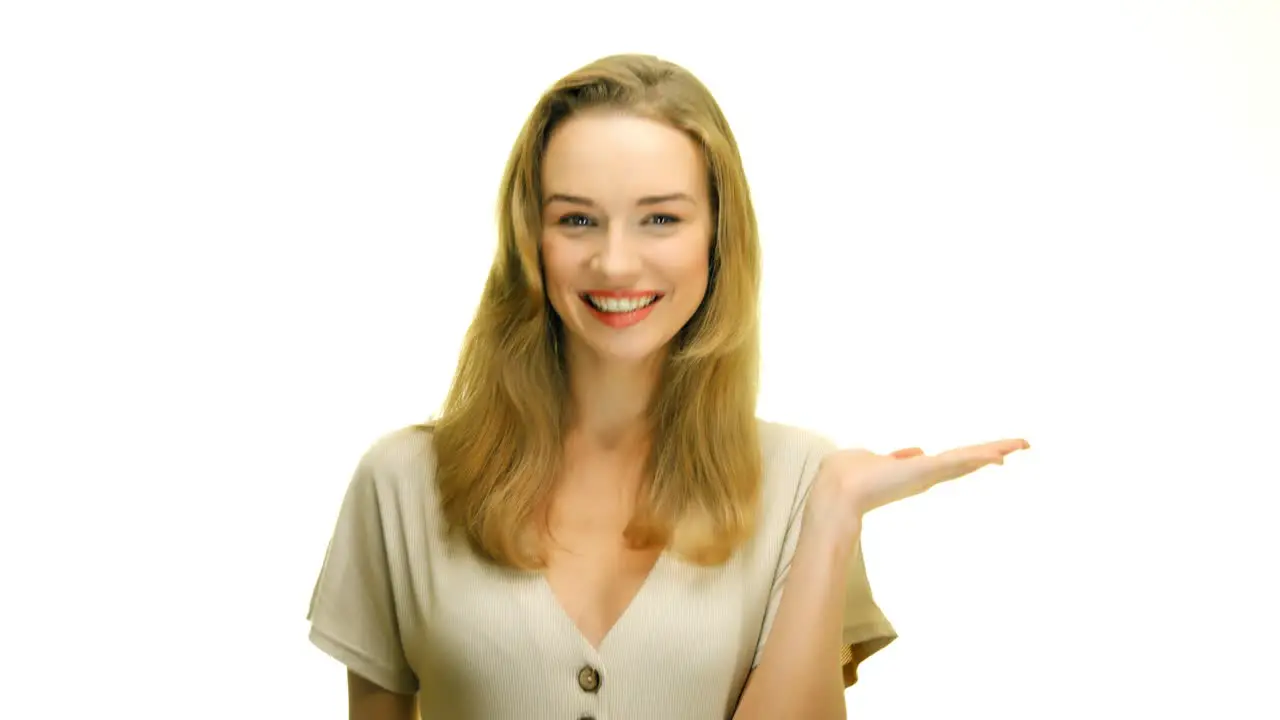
<point>241,240</point>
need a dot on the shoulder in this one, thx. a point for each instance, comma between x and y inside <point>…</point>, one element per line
<point>791,455</point>
<point>398,463</point>
<point>778,440</point>
<point>410,445</point>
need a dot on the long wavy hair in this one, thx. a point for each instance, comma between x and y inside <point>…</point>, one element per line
<point>499,438</point>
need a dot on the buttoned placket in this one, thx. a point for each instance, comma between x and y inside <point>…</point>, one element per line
<point>591,686</point>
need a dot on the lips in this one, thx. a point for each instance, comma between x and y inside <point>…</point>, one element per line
<point>619,309</point>
<point>620,302</point>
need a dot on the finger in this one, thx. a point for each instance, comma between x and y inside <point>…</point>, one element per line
<point>906,453</point>
<point>1007,447</point>
<point>999,447</point>
<point>957,463</point>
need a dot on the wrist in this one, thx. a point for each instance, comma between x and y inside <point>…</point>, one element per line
<point>831,536</point>
<point>831,517</point>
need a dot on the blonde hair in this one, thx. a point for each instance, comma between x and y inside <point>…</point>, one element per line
<point>499,437</point>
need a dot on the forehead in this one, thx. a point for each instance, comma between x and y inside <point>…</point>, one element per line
<point>616,156</point>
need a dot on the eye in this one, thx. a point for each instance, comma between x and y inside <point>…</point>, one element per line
<point>663,219</point>
<point>575,220</point>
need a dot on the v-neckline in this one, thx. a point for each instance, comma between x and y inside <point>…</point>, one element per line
<point>597,650</point>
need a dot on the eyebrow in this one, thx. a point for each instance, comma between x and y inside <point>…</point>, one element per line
<point>646,200</point>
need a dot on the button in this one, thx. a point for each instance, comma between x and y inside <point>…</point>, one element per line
<point>588,679</point>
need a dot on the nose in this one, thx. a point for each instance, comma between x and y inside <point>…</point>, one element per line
<point>617,256</point>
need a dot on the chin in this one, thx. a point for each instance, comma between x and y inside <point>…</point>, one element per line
<point>627,351</point>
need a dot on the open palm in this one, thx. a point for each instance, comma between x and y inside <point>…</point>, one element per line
<point>860,481</point>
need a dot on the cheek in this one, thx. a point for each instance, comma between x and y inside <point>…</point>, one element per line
<point>692,266</point>
<point>557,275</point>
<point>556,265</point>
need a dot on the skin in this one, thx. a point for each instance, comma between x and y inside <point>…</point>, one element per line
<point>626,208</point>
<point>368,701</point>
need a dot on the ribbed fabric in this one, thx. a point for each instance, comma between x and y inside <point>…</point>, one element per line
<point>399,603</point>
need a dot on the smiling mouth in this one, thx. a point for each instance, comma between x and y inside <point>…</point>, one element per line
<point>620,305</point>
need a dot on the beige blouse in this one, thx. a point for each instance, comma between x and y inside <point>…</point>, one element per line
<point>403,606</point>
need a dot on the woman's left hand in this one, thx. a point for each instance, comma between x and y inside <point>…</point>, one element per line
<point>851,483</point>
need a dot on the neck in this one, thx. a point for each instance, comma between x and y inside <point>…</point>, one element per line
<point>609,401</point>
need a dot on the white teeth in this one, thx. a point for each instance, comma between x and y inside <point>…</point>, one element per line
<point>620,305</point>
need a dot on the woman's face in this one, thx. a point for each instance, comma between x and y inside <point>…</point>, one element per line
<point>626,233</point>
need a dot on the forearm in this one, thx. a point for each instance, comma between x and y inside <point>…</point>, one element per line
<point>799,674</point>
<point>368,701</point>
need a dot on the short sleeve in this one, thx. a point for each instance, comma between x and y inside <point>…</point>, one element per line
<point>866,630</point>
<point>353,612</point>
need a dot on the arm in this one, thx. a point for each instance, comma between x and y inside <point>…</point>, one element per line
<point>354,611</point>
<point>369,701</point>
<point>799,675</point>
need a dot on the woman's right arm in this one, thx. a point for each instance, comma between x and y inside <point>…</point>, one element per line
<point>369,701</point>
<point>355,611</point>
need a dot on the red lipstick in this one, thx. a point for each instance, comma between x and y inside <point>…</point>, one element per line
<point>620,318</point>
<point>623,294</point>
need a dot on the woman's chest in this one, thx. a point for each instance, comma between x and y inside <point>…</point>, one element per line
<point>595,587</point>
<point>584,638</point>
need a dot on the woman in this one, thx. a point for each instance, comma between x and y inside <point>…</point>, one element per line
<point>597,525</point>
